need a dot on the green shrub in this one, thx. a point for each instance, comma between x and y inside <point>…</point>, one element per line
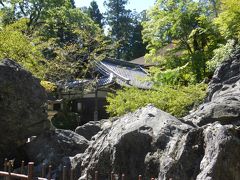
<point>176,100</point>
<point>220,54</point>
<point>65,120</point>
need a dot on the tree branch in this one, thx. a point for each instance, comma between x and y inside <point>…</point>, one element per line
<point>2,3</point>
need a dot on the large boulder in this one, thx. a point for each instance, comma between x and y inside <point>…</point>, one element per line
<point>57,148</point>
<point>89,129</point>
<point>133,144</point>
<point>153,143</point>
<point>22,107</point>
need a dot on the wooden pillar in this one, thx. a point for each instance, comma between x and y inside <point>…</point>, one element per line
<point>123,176</point>
<point>30,170</point>
<point>64,172</point>
<point>140,177</point>
<point>96,104</point>
<point>22,168</point>
<point>49,172</point>
<point>43,170</point>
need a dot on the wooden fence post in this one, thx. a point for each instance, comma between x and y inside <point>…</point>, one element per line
<point>49,172</point>
<point>43,170</point>
<point>9,163</point>
<point>123,176</point>
<point>112,175</point>
<point>22,168</point>
<point>71,174</point>
<point>96,175</point>
<point>5,166</point>
<point>64,172</point>
<point>30,170</point>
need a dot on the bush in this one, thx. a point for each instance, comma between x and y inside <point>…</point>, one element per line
<point>65,120</point>
<point>176,100</point>
<point>49,86</point>
<point>220,54</point>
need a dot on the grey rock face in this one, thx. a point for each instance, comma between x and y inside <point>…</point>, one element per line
<point>221,157</point>
<point>223,100</point>
<point>22,107</point>
<point>52,146</point>
<point>57,148</point>
<point>153,143</point>
<point>89,129</point>
<point>134,143</point>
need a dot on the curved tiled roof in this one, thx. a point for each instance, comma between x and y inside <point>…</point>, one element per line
<point>124,73</point>
<point>115,71</point>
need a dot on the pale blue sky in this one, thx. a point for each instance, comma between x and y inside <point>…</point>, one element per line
<point>139,5</point>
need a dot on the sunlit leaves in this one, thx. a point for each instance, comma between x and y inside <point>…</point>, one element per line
<point>229,19</point>
<point>16,46</point>
<point>175,100</point>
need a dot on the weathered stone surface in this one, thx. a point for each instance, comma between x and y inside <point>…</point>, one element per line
<point>155,144</point>
<point>129,144</point>
<point>22,107</point>
<point>223,100</point>
<point>221,157</point>
<point>52,146</point>
<point>57,148</point>
<point>89,129</point>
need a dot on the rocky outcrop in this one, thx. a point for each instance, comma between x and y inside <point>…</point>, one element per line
<point>204,145</point>
<point>223,100</point>
<point>22,107</point>
<point>155,144</point>
<point>221,158</point>
<point>133,143</point>
<point>89,129</point>
<point>51,146</point>
<point>56,148</point>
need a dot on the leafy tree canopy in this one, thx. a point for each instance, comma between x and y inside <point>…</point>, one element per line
<point>63,38</point>
<point>95,14</point>
<point>188,26</point>
<point>228,20</point>
<point>124,30</point>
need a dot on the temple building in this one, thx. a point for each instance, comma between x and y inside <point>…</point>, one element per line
<point>87,97</point>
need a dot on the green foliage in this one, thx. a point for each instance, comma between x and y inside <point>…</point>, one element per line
<point>95,13</point>
<point>65,120</point>
<point>187,26</point>
<point>49,86</point>
<point>185,42</point>
<point>124,30</point>
<point>50,38</point>
<point>228,20</point>
<point>175,100</point>
<point>220,54</point>
<point>70,41</point>
<point>177,76</point>
<point>16,46</point>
